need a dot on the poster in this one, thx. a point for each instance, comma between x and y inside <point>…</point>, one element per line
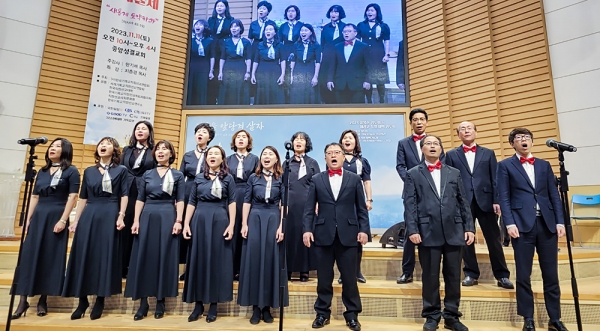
<point>125,75</point>
<point>378,136</point>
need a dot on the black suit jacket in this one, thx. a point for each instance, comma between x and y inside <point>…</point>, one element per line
<point>347,215</point>
<point>147,163</point>
<point>254,31</point>
<point>439,219</point>
<point>480,183</point>
<point>351,74</point>
<point>407,156</point>
<point>327,40</point>
<point>212,23</point>
<point>400,78</point>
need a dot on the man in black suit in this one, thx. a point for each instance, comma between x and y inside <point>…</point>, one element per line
<point>342,221</point>
<point>533,214</point>
<point>477,167</point>
<point>438,220</point>
<point>409,155</point>
<point>348,70</point>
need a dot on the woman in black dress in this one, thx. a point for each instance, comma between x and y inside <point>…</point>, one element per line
<point>241,164</point>
<point>256,33</point>
<point>202,62</point>
<point>330,36</point>
<point>234,68</point>
<point>305,67</point>
<point>302,169</point>
<point>356,163</point>
<point>95,263</point>
<point>219,24</point>
<point>209,222</point>
<point>261,229</point>
<point>137,158</point>
<point>192,164</point>
<point>154,263</point>
<point>44,252</point>
<point>288,34</point>
<point>376,34</point>
<point>268,68</point>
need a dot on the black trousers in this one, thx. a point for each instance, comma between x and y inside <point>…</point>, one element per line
<point>430,258</point>
<point>345,258</point>
<point>350,96</point>
<point>543,241</point>
<point>408,256</point>
<point>491,232</point>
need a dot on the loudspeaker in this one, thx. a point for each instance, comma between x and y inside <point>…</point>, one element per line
<point>393,236</point>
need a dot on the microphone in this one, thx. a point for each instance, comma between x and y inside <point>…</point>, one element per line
<point>32,141</point>
<point>560,146</point>
<point>288,145</point>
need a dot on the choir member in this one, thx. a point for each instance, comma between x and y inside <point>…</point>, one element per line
<point>288,34</point>
<point>158,216</point>
<point>192,164</point>
<point>268,68</point>
<point>302,169</point>
<point>137,158</point>
<point>256,34</point>
<point>356,163</point>
<point>242,164</point>
<point>400,72</point>
<point>219,24</point>
<point>261,229</point>
<point>305,66</point>
<point>44,252</point>
<point>330,36</point>
<point>94,266</point>
<point>234,67</point>
<point>209,222</point>
<point>202,61</point>
<point>375,33</point>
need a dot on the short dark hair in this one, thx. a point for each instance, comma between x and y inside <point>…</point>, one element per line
<point>248,148</point>
<point>274,25</point>
<point>115,159</point>
<point>514,132</point>
<point>309,145</point>
<point>206,31</point>
<point>238,23</point>
<point>351,25</point>
<point>66,154</point>
<point>223,169</point>
<point>422,141</point>
<point>133,139</point>
<point>338,9</point>
<point>227,13</point>
<point>333,144</point>
<point>169,146</point>
<point>357,150</point>
<point>288,8</point>
<point>417,111</point>
<point>379,17</point>
<point>266,4</point>
<point>209,128</point>
<point>277,168</point>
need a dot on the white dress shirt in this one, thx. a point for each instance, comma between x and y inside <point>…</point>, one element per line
<point>437,178</point>
<point>470,156</point>
<point>418,145</point>
<point>528,167</point>
<point>348,50</point>
<point>336,183</point>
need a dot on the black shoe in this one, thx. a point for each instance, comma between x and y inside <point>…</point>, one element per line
<point>455,325</point>
<point>304,277</point>
<point>340,280</point>
<point>142,311</point>
<point>430,324</point>
<point>212,313</point>
<point>182,276</point>
<point>256,315</point>
<point>81,308</point>
<point>529,325</point>
<point>360,278</point>
<point>470,281</point>
<point>320,322</point>
<point>266,315</point>
<point>198,311</point>
<point>505,283</point>
<point>159,311</point>
<point>20,312</point>
<point>211,318</point>
<point>97,309</point>
<point>236,277</point>
<point>556,326</point>
<point>42,306</point>
<point>405,278</point>
<point>506,242</point>
<point>353,325</point>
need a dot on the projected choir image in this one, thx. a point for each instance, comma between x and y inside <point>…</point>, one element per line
<point>300,53</point>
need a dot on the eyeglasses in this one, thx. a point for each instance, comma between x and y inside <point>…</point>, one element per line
<point>420,119</point>
<point>523,137</point>
<point>465,129</point>
<point>432,143</point>
<point>330,153</point>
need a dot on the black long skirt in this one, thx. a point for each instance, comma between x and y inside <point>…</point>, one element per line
<point>268,92</point>
<point>154,267</point>
<point>301,90</point>
<point>237,240</point>
<point>234,89</point>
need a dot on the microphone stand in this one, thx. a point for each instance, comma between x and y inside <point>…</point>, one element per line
<point>563,186</point>
<point>30,174</point>
<point>283,277</point>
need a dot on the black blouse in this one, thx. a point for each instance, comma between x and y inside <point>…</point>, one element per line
<point>68,183</point>
<point>256,188</point>
<point>150,187</point>
<point>208,45</point>
<point>229,49</point>
<point>262,54</point>
<point>313,55</point>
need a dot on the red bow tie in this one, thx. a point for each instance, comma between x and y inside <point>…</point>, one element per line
<point>472,149</point>
<point>417,138</point>
<point>346,43</point>
<point>335,172</point>
<point>529,159</point>
<point>438,165</point>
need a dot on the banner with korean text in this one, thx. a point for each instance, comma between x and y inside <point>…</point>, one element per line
<point>123,89</point>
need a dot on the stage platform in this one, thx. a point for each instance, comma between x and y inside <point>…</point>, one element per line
<point>385,303</point>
